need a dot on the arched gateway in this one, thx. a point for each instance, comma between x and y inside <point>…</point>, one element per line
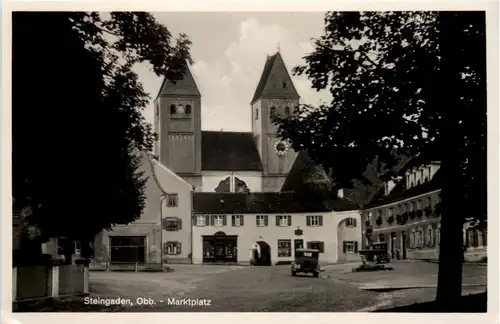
<point>260,254</point>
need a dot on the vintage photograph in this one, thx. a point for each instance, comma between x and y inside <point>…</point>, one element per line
<point>249,161</point>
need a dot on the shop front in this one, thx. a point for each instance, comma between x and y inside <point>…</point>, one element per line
<point>220,248</point>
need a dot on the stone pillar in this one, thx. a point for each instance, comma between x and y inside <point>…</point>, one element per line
<point>53,281</point>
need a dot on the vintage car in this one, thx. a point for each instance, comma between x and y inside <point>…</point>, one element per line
<point>376,252</point>
<point>306,261</point>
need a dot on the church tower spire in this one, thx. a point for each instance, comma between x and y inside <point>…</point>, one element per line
<point>275,92</point>
<point>178,125</point>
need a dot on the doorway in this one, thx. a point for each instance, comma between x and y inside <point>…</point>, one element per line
<point>298,244</point>
<point>403,245</point>
<point>265,254</point>
<point>220,248</point>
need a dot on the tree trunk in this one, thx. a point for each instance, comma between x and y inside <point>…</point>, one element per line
<point>449,288</point>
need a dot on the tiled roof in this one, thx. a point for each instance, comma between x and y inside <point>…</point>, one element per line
<point>229,151</point>
<point>399,192</point>
<point>261,203</point>
<point>261,90</point>
<point>185,86</point>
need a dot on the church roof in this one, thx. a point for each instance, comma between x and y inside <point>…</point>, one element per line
<point>229,151</point>
<point>271,81</point>
<point>262,203</point>
<point>186,86</point>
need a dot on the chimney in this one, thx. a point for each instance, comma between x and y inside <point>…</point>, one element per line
<point>340,193</point>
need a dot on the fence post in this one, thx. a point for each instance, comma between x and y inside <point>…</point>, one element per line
<point>135,267</point>
<point>14,284</point>
<point>107,266</point>
<point>86,285</point>
<point>53,281</point>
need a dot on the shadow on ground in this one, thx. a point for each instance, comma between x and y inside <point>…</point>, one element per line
<point>476,303</point>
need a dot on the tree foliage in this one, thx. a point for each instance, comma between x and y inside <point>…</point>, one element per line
<point>77,115</point>
<point>402,82</point>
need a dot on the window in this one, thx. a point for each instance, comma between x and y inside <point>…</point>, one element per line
<point>391,212</point>
<point>350,222</point>
<point>412,240</point>
<point>379,213</point>
<point>218,220</point>
<point>201,220</point>
<point>283,220</point>
<point>287,111</point>
<point>284,85</point>
<point>419,204</point>
<point>256,114</point>
<point>429,202</point>
<point>128,249</point>
<point>350,247</point>
<point>272,111</point>
<point>172,109</point>
<point>429,236</point>
<point>314,220</point>
<point>262,220</point>
<point>188,109</point>
<point>237,220</point>
<point>172,200</point>
<point>284,248</point>
<point>406,208</point>
<point>317,245</point>
<point>381,238</point>
<point>172,248</point>
<point>414,205</point>
<point>172,224</point>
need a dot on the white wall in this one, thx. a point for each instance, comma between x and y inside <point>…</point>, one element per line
<point>250,233</point>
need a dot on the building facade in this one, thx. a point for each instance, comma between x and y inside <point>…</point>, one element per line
<point>405,213</point>
<point>143,241</point>
<point>217,161</point>
<point>227,227</point>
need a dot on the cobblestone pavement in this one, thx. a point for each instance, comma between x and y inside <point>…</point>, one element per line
<point>231,289</point>
<point>271,289</point>
<point>405,273</point>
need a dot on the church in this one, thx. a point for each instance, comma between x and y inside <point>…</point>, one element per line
<point>217,161</point>
<point>221,195</point>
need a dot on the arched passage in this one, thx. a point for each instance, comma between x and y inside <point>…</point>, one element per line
<point>261,254</point>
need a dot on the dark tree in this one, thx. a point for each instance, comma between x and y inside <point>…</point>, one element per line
<point>77,115</point>
<point>403,83</point>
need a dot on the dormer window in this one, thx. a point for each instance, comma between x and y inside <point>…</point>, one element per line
<point>172,109</point>
<point>188,109</point>
<point>284,85</point>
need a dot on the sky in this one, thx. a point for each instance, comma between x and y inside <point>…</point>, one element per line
<point>229,51</point>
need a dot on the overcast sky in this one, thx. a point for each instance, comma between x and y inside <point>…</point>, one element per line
<point>229,51</point>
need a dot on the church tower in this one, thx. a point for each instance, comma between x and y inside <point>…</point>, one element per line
<point>178,125</point>
<point>275,92</point>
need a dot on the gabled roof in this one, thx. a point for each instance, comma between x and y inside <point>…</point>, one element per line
<point>229,151</point>
<point>186,86</point>
<point>399,192</point>
<point>270,83</point>
<point>262,203</point>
